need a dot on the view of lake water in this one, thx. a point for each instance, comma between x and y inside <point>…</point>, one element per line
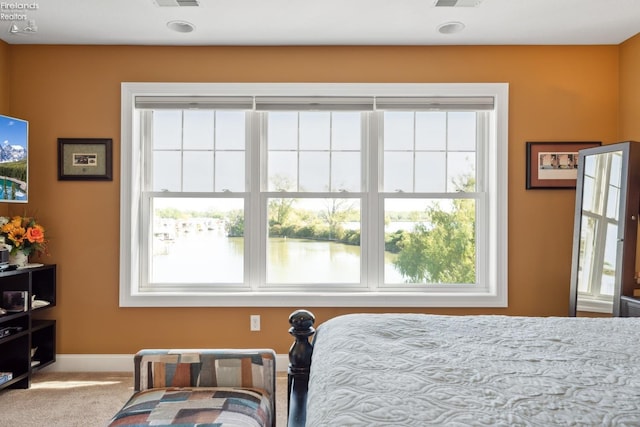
<point>212,257</point>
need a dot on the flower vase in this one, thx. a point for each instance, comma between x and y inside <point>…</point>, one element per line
<point>20,259</point>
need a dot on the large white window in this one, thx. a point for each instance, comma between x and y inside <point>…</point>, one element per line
<point>314,195</point>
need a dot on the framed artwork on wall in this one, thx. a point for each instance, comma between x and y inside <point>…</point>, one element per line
<point>85,159</point>
<point>552,165</point>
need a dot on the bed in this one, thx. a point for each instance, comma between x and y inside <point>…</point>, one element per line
<point>419,369</point>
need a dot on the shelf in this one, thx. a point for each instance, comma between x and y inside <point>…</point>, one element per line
<point>21,381</point>
<point>11,316</point>
<point>34,347</point>
<point>9,338</point>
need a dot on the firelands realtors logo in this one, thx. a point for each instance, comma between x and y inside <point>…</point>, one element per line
<point>10,11</point>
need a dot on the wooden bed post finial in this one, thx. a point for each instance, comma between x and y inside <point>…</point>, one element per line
<point>301,329</point>
<point>301,322</point>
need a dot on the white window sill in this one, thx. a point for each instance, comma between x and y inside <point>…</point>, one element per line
<point>315,299</point>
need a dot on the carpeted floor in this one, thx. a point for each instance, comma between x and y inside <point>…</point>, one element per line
<point>83,400</point>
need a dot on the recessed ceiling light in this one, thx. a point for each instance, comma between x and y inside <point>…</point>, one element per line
<point>181,26</point>
<point>450,27</point>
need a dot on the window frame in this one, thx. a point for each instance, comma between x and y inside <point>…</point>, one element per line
<point>132,232</point>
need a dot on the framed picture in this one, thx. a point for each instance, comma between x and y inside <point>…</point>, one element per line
<point>85,159</point>
<point>554,164</point>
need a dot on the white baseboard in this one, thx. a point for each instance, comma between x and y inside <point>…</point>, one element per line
<point>116,363</point>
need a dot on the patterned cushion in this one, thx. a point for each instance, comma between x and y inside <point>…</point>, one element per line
<point>205,368</point>
<point>199,406</point>
<point>201,387</point>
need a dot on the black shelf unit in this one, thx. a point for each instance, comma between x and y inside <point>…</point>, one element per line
<point>31,342</point>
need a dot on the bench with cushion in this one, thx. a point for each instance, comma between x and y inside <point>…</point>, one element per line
<point>195,387</point>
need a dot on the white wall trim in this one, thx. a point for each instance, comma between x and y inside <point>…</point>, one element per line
<point>116,363</point>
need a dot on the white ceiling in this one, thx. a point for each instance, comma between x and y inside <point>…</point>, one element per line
<point>322,22</point>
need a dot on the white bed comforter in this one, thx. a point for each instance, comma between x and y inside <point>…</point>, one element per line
<point>420,370</point>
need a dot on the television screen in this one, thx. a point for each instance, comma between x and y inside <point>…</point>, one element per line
<point>14,165</point>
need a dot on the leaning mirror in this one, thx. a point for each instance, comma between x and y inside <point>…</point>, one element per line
<point>605,228</point>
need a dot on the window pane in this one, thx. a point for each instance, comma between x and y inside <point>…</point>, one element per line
<point>609,263</point>
<point>167,129</point>
<point>398,131</point>
<point>398,171</point>
<point>461,171</point>
<point>431,172</point>
<point>431,131</point>
<point>198,129</point>
<point>230,130</point>
<point>197,241</point>
<point>313,241</point>
<point>430,241</point>
<point>282,131</point>
<point>167,171</point>
<point>314,131</point>
<point>588,238</point>
<point>346,131</point>
<point>198,171</point>
<point>314,171</point>
<point>462,131</point>
<point>283,171</point>
<point>230,171</point>
<point>615,182</point>
<point>345,172</point>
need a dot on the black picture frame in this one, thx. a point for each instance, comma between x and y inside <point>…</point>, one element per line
<point>554,165</point>
<point>85,159</point>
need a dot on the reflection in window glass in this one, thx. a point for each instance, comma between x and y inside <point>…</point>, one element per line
<point>615,177</point>
<point>587,254</point>
<point>609,263</point>
<point>197,241</point>
<point>599,225</point>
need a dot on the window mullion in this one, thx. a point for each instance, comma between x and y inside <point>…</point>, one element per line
<point>255,205</point>
<point>373,215</point>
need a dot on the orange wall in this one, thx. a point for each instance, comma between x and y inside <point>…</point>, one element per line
<point>630,89</point>
<point>561,93</point>
<point>4,78</point>
<point>4,94</point>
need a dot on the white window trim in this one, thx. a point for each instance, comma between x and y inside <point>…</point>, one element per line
<point>495,294</point>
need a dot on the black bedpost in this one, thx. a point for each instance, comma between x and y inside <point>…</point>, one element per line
<point>301,322</point>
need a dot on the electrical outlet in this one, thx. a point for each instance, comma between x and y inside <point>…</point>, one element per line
<point>254,320</point>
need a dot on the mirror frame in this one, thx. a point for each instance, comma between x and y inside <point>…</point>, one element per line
<point>629,205</point>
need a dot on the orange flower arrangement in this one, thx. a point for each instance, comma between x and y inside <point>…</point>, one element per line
<point>23,234</point>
